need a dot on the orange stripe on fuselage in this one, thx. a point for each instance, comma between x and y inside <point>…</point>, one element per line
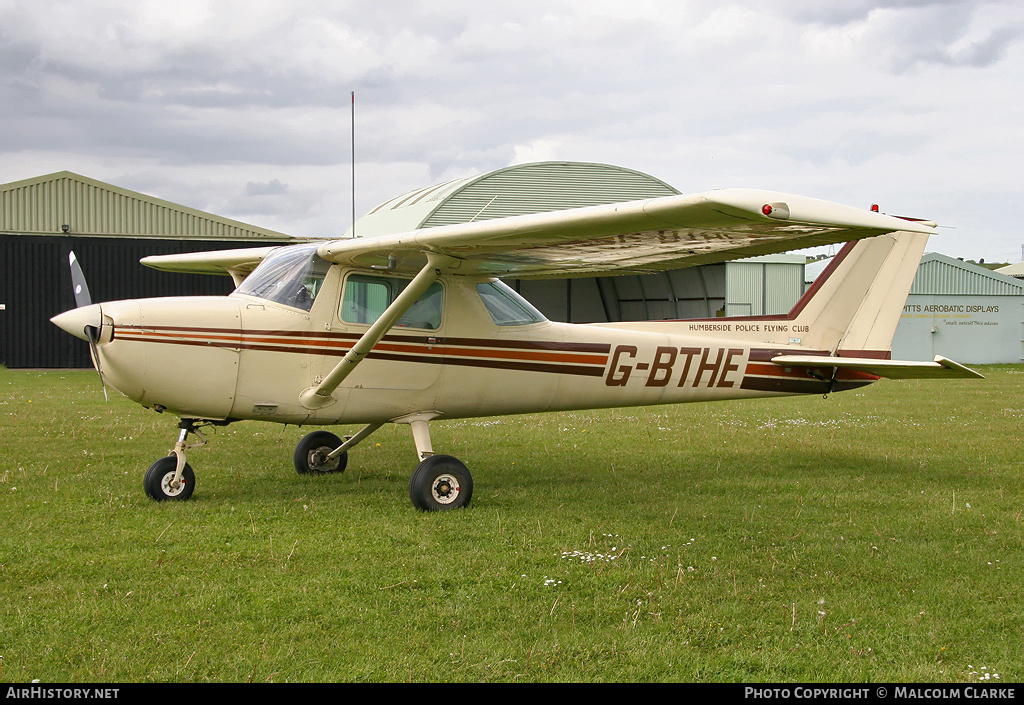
<point>327,346</point>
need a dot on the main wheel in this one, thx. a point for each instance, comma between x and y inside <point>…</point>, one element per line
<point>157,481</point>
<point>440,482</point>
<point>312,450</point>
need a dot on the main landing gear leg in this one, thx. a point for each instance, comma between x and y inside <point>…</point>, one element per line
<point>439,481</point>
<point>171,477</point>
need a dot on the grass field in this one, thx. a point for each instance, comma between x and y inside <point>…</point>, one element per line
<point>870,536</point>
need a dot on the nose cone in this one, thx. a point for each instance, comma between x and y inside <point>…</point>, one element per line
<point>76,320</point>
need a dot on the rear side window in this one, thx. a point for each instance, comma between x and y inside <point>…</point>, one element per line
<point>507,308</point>
<point>366,298</point>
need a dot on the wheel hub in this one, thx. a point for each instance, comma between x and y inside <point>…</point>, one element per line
<point>445,489</point>
<point>318,459</point>
<point>170,487</point>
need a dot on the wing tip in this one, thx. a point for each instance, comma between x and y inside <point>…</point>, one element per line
<point>954,366</point>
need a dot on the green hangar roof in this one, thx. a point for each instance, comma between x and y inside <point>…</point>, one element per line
<point>941,274</point>
<point>537,187</point>
<point>65,203</point>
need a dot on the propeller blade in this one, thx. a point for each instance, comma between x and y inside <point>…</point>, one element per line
<point>82,295</point>
<point>84,298</point>
<point>91,332</point>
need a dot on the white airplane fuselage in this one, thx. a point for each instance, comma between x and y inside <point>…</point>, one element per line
<point>242,357</point>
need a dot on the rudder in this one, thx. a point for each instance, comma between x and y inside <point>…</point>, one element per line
<point>854,306</point>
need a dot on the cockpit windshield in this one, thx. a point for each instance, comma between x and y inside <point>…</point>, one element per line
<point>291,276</point>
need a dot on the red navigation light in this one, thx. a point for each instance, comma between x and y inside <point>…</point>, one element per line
<point>874,207</point>
<point>766,209</point>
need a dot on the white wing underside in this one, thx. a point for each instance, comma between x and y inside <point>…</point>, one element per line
<point>652,235</point>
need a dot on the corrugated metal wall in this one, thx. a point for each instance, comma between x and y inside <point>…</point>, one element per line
<point>544,187</point>
<point>939,274</point>
<point>695,292</point>
<point>742,288</point>
<point>35,285</point>
<point>85,206</point>
<point>762,288</point>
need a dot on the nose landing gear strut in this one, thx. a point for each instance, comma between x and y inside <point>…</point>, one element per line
<point>171,477</point>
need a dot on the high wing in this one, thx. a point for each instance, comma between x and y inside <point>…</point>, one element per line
<point>238,263</point>
<point>652,235</point>
<point>637,237</point>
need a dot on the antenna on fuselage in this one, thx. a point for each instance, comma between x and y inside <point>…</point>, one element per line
<point>353,163</point>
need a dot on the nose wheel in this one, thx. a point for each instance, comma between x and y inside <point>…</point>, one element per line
<point>160,482</point>
<point>170,477</point>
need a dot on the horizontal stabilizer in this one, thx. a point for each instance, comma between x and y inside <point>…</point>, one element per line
<point>893,369</point>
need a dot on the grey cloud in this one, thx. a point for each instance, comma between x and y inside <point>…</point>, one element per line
<point>274,187</point>
<point>987,51</point>
<point>841,13</point>
<point>937,49</point>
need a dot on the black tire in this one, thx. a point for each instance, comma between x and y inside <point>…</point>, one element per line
<point>440,482</point>
<point>156,483</point>
<point>310,451</point>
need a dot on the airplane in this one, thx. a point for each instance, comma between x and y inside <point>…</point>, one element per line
<point>415,327</point>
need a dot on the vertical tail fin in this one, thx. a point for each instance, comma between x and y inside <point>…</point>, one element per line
<point>855,304</point>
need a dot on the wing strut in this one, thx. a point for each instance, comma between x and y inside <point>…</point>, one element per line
<point>319,396</point>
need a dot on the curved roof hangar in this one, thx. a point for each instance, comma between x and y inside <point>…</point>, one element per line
<point>520,189</point>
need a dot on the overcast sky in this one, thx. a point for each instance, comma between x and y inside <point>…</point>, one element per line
<point>242,108</point>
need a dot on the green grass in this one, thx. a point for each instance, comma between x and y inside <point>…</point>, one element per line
<point>870,536</point>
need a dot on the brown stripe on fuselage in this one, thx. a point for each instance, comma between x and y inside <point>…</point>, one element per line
<point>426,338</point>
<point>534,356</point>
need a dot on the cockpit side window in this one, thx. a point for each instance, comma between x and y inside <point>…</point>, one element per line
<point>366,298</point>
<point>291,276</point>
<point>507,308</point>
